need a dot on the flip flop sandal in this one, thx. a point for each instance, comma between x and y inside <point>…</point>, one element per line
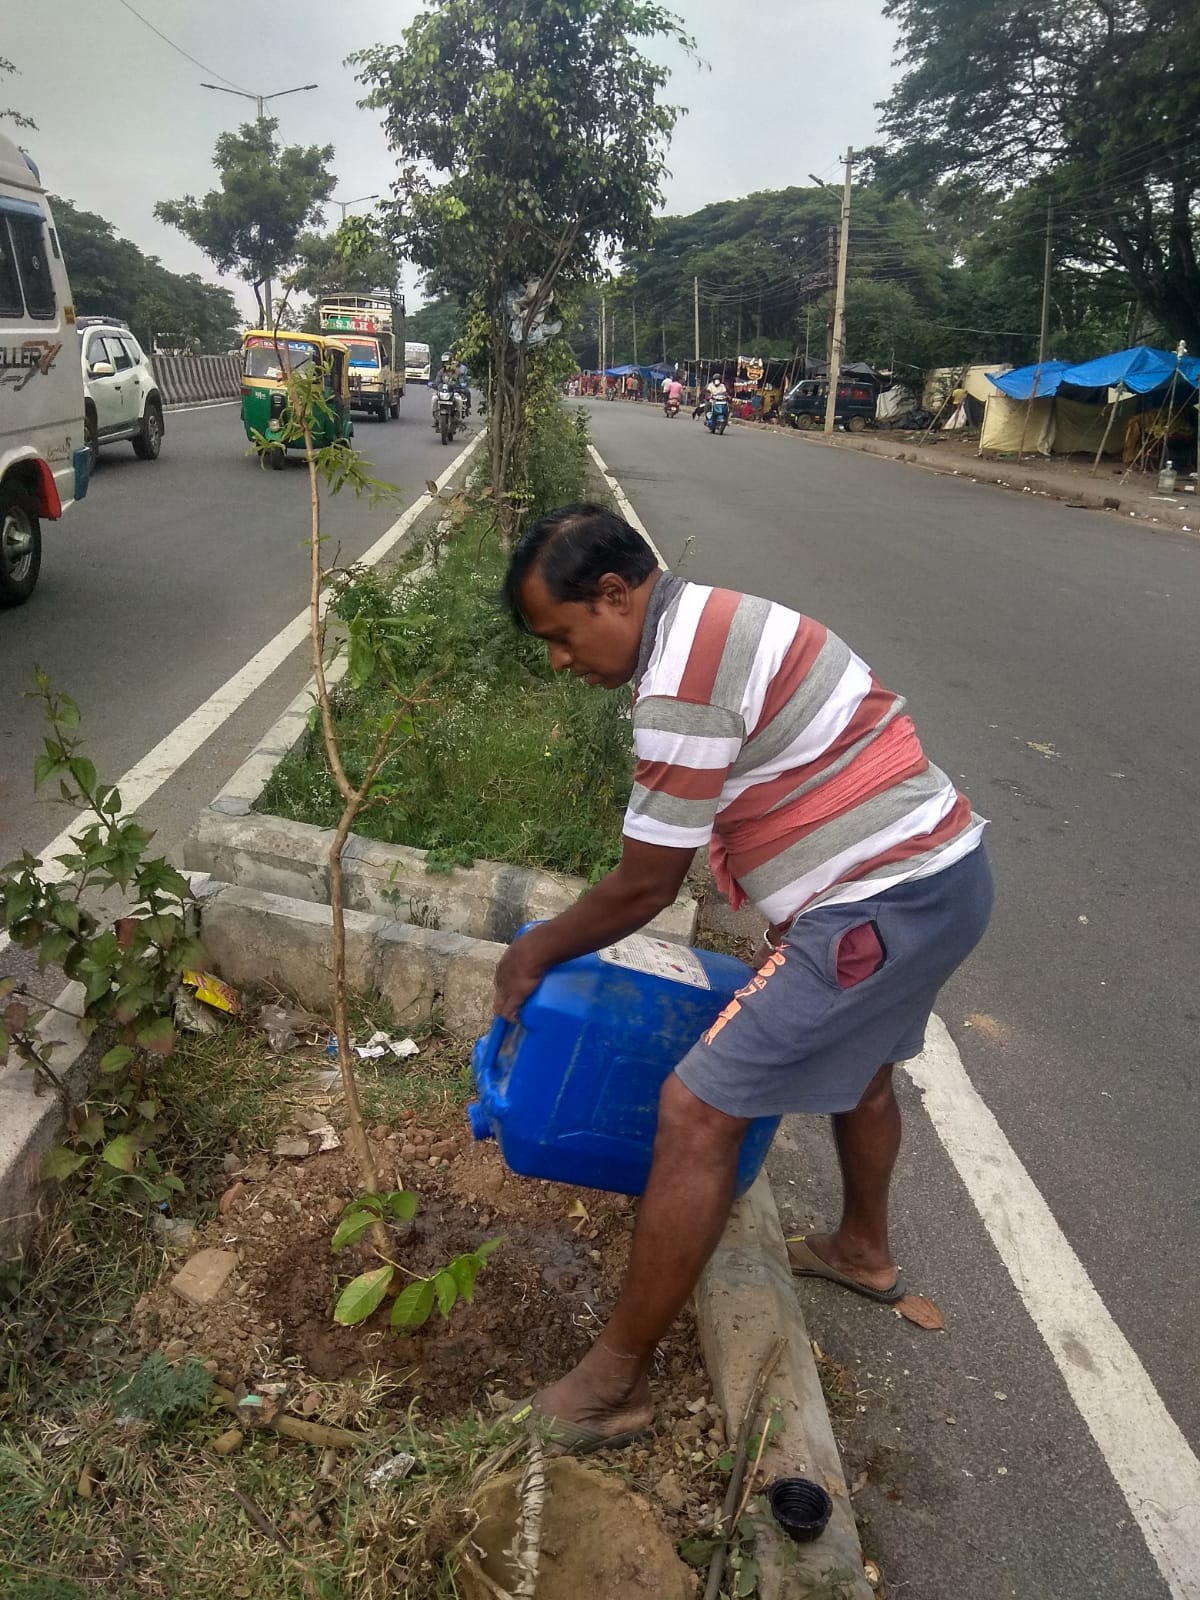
<point>573,1438</point>
<point>806,1263</point>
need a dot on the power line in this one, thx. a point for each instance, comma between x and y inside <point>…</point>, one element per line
<point>179,50</point>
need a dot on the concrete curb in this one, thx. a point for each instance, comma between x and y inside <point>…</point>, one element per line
<point>253,938</point>
<point>746,1299</point>
<point>30,1120</point>
<point>1012,475</point>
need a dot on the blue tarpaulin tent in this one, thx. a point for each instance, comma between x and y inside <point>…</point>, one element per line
<point>1140,370</point>
<point>1064,407</point>
<point>1041,379</point>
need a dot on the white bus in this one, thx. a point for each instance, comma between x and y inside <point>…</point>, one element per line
<point>44,458</point>
<point>416,363</point>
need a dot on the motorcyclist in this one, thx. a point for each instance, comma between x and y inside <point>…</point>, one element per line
<point>447,375</point>
<point>716,391</point>
<point>674,396</point>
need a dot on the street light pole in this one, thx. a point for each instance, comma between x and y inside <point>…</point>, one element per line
<point>346,204</point>
<point>260,101</point>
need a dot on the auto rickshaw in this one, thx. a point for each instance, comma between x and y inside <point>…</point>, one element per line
<point>267,359</point>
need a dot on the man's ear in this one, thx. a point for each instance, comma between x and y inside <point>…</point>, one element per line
<point>614,592</point>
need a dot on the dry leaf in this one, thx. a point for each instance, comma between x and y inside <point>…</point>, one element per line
<point>860,1482</point>
<point>872,1573</point>
<point>834,1484</point>
<point>579,1211</point>
<point>916,1308</point>
<point>230,1197</point>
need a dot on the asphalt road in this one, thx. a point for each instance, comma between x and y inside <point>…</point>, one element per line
<point>163,583</point>
<point>1051,661</point>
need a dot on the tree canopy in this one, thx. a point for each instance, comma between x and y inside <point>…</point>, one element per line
<point>530,135</point>
<point>1093,103</point>
<point>269,193</point>
<point>342,260</point>
<point>111,277</point>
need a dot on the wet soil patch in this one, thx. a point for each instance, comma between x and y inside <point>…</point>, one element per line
<point>539,1302</point>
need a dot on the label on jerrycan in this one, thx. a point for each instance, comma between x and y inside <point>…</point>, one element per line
<point>658,957</point>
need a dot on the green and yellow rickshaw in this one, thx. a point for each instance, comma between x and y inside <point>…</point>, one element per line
<point>267,361</point>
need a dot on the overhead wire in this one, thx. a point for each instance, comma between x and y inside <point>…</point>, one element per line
<point>179,50</point>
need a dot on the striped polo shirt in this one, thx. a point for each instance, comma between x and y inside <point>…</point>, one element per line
<point>760,733</point>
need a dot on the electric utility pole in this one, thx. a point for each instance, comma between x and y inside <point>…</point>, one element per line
<point>837,355</point>
<point>696,319</point>
<point>1044,339</point>
<point>603,329</point>
<point>635,359</point>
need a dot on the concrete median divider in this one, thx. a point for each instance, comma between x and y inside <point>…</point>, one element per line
<point>195,380</point>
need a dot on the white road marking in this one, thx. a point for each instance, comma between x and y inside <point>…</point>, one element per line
<point>1144,1448</point>
<point>179,408</point>
<point>622,499</point>
<point>162,763</point>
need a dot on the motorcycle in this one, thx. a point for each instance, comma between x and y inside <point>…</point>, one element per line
<point>671,407</point>
<point>447,412</point>
<point>718,417</point>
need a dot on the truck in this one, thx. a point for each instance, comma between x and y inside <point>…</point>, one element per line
<point>417,367</point>
<point>371,326</point>
<point>44,455</point>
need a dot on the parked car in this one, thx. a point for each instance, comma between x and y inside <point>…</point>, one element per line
<point>123,400</point>
<point>804,405</point>
<point>43,460</point>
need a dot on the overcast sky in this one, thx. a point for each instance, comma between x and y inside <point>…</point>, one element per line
<point>123,121</point>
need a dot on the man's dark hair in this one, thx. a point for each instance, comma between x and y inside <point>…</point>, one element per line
<point>572,548</point>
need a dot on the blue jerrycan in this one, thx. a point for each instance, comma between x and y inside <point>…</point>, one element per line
<point>570,1091</point>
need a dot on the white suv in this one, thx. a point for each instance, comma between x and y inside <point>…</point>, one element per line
<point>122,399</point>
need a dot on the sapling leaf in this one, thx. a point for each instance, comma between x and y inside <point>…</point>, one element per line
<point>446,1288</point>
<point>413,1304</point>
<point>351,1229</point>
<point>362,1295</point>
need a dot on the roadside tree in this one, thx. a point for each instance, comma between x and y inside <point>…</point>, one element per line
<point>1093,103</point>
<point>530,136</point>
<point>269,193</point>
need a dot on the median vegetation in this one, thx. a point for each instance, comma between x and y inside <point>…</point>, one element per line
<point>506,761</point>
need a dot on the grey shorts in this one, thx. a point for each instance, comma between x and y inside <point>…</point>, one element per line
<point>851,988</point>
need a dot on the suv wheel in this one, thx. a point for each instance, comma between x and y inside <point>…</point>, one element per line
<point>91,439</point>
<point>148,443</point>
<point>855,424</point>
<point>20,545</point>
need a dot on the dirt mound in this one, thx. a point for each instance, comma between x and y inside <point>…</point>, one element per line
<point>599,1539</point>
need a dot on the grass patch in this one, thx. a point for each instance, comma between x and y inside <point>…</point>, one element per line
<point>508,762</point>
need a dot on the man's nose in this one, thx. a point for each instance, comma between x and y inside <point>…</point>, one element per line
<point>560,657</point>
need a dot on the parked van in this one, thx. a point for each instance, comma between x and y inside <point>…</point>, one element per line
<point>804,406</point>
<point>43,451</point>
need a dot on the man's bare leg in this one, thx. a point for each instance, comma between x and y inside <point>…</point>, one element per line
<point>681,1218</point>
<point>868,1142</point>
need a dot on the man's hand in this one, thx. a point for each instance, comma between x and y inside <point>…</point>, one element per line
<point>518,974</point>
<point>647,879</point>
